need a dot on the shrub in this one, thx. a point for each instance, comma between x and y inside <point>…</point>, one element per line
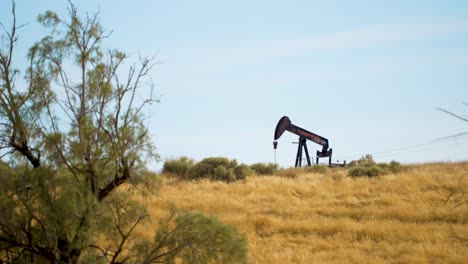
<point>218,168</point>
<point>178,167</point>
<point>366,166</point>
<point>264,169</point>
<point>370,171</point>
<point>242,171</point>
<point>194,238</point>
<point>396,167</point>
<point>366,160</point>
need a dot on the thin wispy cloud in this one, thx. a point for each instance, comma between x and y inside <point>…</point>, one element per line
<point>205,57</point>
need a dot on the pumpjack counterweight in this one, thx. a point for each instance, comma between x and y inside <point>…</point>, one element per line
<point>304,135</point>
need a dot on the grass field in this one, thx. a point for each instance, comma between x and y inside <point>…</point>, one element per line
<point>417,216</point>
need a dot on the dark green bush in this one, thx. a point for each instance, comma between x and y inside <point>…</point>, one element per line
<point>396,167</point>
<point>264,169</point>
<point>366,160</point>
<point>242,171</point>
<point>366,166</point>
<point>194,238</point>
<point>370,171</point>
<point>218,168</point>
<point>178,167</point>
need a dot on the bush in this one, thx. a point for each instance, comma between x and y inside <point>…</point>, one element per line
<point>396,167</point>
<point>370,171</point>
<point>366,160</point>
<point>218,168</point>
<point>178,167</point>
<point>194,238</point>
<point>366,166</point>
<point>242,171</point>
<point>264,169</point>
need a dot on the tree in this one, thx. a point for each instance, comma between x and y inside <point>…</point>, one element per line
<point>69,138</point>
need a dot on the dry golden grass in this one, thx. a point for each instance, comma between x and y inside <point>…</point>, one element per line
<point>418,216</point>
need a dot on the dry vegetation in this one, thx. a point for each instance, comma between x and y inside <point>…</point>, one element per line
<point>418,216</point>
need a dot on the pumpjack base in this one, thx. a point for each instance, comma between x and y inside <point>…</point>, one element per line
<point>320,154</point>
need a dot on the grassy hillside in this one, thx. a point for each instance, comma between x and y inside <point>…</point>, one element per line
<point>418,216</point>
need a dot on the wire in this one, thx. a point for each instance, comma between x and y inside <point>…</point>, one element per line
<point>414,148</point>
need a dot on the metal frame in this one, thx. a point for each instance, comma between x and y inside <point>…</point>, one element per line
<point>304,135</point>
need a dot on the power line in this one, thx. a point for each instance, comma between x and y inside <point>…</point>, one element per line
<point>413,148</point>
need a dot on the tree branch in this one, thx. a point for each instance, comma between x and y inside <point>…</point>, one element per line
<point>116,182</point>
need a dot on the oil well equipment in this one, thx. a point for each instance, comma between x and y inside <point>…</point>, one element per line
<point>304,135</point>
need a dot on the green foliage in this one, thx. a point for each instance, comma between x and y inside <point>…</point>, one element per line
<point>218,169</point>
<point>366,160</point>
<point>369,171</point>
<point>214,168</point>
<point>40,208</point>
<point>264,168</point>
<point>178,167</point>
<point>71,136</point>
<point>242,171</point>
<point>366,166</point>
<point>195,238</point>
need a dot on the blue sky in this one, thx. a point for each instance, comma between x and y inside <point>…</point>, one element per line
<point>367,75</point>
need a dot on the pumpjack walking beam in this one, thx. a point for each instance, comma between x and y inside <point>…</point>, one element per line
<point>304,135</point>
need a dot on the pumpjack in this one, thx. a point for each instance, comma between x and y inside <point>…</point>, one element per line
<point>304,135</point>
